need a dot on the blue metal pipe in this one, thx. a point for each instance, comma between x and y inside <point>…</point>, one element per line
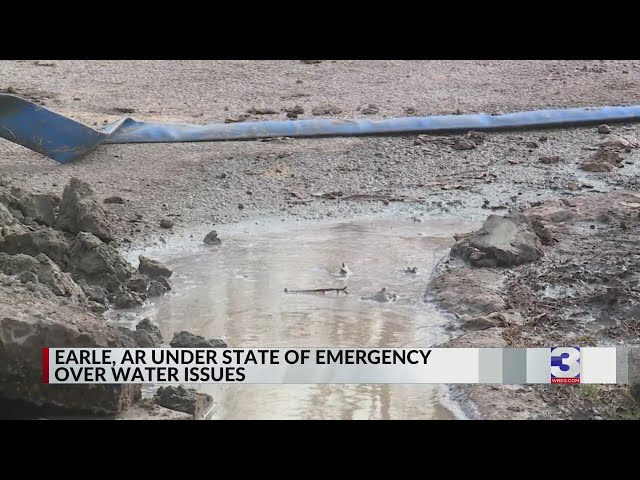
<point>131,131</point>
<point>64,139</point>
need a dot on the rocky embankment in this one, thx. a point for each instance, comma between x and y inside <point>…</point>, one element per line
<point>59,270</point>
<point>564,272</point>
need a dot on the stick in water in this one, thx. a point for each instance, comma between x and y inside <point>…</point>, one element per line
<point>319,290</point>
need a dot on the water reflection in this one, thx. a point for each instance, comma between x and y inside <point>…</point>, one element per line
<point>236,292</point>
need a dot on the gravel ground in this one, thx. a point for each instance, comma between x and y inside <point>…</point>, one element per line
<point>200,186</point>
<point>200,91</point>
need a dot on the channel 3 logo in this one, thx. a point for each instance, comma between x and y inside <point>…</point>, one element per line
<point>565,365</point>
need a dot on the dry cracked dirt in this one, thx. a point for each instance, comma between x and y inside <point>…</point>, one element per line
<point>555,262</point>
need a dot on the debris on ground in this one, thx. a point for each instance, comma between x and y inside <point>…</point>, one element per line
<point>328,109</point>
<point>293,112</point>
<point>167,223</point>
<point>421,139</point>
<point>370,109</point>
<point>262,111</point>
<point>212,238</point>
<point>604,160</point>
<point>619,142</point>
<point>463,144</point>
<point>239,119</point>
<point>125,110</point>
<point>338,291</point>
<point>114,199</point>
<point>382,296</point>
<point>296,109</point>
<point>476,137</point>
<point>550,159</point>
<point>452,186</point>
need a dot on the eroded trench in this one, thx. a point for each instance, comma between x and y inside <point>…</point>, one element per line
<point>236,291</point>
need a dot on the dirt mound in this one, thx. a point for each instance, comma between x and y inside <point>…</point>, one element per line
<point>584,290</point>
<point>55,269</point>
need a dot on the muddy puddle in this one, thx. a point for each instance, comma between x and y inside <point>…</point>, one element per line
<point>236,291</point>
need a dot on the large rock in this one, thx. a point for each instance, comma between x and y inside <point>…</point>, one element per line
<point>19,239</point>
<point>183,400</point>
<point>502,242</point>
<point>153,268</point>
<point>98,263</point>
<point>148,335</point>
<point>189,340</point>
<point>27,324</point>
<point>45,271</point>
<point>80,211</point>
